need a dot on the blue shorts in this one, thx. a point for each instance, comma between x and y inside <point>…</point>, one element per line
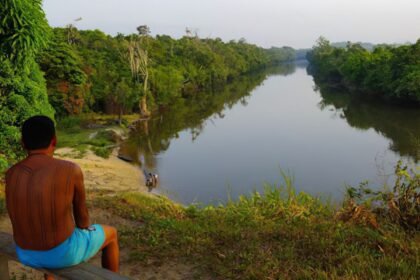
<point>79,247</point>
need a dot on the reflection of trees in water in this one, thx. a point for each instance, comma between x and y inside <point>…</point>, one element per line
<point>284,69</point>
<point>398,123</point>
<point>153,136</point>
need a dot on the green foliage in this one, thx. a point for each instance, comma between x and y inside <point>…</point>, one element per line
<point>178,69</point>
<point>401,205</point>
<point>23,33</point>
<point>73,132</point>
<point>65,78</point>
<point>279,55</point>
<point>390,72</point>
<point>23,30</point>
<point>279,234</point>
<point>3,163</point>
<point>70,123</point>
<point>22,96</point>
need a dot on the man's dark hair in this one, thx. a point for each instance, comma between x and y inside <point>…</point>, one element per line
<point>37,132</point>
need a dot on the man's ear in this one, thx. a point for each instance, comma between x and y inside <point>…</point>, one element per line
<point>54,141</point>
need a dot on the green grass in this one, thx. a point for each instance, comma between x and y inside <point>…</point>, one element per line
<point>279,234</point>
<point>74,132</point>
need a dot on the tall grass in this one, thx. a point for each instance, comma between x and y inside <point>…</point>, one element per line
<point>277,234</point>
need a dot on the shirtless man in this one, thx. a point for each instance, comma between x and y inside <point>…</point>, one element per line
<point>46,202</point>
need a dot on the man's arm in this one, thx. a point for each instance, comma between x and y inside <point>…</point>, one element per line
<point>80,211</point>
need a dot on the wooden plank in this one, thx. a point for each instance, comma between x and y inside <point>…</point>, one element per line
<point>88,272</point>
<point>76,274</point>
<point>4,267</point>
<point>82,271</point>
<point>7,245</point>
<point>104,273</point>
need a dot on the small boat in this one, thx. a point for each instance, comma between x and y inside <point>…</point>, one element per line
<point>125,158</point>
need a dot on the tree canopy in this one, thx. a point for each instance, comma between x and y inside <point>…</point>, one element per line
<point>392,72</point>
<point>24,31</point>
<point>88,75</point>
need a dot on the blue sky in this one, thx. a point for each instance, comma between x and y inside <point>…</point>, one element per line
<point>296,23</point>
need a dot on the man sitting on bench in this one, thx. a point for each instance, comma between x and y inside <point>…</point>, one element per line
<point>46,202</point>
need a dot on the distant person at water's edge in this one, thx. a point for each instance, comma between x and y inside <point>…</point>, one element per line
<point>46,202</point>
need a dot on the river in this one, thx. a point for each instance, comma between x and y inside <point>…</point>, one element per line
<point>239,139</point>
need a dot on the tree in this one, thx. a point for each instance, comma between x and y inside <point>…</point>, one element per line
<point>65,78</point>
<point>124,96</point>
<point>138,58</point>
<point>24,31</point>
<point>71,34</point>
<point>180,69</point>
<point>143,30</point>
<point>139,66</point>
<point>389,72</point>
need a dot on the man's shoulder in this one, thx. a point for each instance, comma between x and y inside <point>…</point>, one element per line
<point>74,167</point>
<point>62,164</point>
<point>18,165</point>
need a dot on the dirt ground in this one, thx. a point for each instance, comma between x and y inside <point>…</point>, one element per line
<point>110,175</point>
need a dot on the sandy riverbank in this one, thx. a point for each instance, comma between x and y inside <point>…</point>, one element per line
<point>108,175</point>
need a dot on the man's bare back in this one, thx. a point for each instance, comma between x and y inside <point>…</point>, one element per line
<point>46,202</point>
<point>43,194</point>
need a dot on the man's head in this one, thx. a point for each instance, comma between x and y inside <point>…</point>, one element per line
<point>38,133</point>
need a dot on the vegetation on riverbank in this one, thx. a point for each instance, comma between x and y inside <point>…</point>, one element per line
<point>63,71</point>
<point>24,31</point>
<point>99,133</point>
<point>276,234</point>
<point>88,70</point>
<point>281,233</point>
<point>389,72</point>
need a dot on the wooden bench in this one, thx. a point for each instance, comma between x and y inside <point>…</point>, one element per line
<point>78,272</point>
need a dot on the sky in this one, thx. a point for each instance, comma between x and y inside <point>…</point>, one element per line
<point>295,23</point>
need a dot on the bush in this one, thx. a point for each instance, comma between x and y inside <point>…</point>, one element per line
<point>3,163</point>
<point>400,206</point>
<point>70,122</point>
<point>278,234</point>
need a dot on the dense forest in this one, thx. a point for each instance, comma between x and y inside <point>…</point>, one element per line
<point>89,70</point>
<point>65,71</point>
<point>391,72</point>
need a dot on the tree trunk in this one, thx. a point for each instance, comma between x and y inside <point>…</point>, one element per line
<point>144,112</point>
<point>120,115</point>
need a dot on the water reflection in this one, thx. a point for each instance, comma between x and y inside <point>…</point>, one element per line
<point>400,124</point>
<point>230,141</point>
<point>152,137</point>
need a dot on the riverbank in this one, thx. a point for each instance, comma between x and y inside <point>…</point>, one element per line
<point>91,143</point>
<point>275,234</point>
<point>278,234</point>
<point>388,73</point>
<point>105,175</point>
